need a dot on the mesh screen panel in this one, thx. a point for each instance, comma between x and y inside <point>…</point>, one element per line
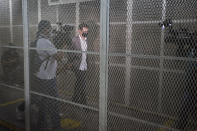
<point>5,12</point>
<point>147,90</point>
<point>74,94</point>
<point>151,58</point>
<point>11,64</point>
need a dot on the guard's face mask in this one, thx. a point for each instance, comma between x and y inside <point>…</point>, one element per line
<point>85,34</point>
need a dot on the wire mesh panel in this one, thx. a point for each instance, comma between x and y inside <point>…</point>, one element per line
<point>150,75</point>
<point>152,50</point>
<point>10,42</point>
<point>64,95</point>
<point>5,12</point>
<point>183,46</point>
<point>11,64</point>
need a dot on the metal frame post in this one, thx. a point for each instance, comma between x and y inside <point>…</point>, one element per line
<point>161,70</point>
<point>39,11</point>
<point>77,17</point>
<point>26,65</point>
<point>104,45</point>
<point>128,51</point>
<point>11,21</point>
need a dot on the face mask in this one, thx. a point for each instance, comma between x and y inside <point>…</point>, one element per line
<point>85,34</point>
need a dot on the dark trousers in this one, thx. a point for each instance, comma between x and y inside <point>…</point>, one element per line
<point>79,95</point>
<point>47,106</point>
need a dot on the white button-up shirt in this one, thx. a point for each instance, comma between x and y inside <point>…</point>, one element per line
<point>83,65</point>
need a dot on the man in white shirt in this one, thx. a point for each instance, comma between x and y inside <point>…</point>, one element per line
<point>80,64</point>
